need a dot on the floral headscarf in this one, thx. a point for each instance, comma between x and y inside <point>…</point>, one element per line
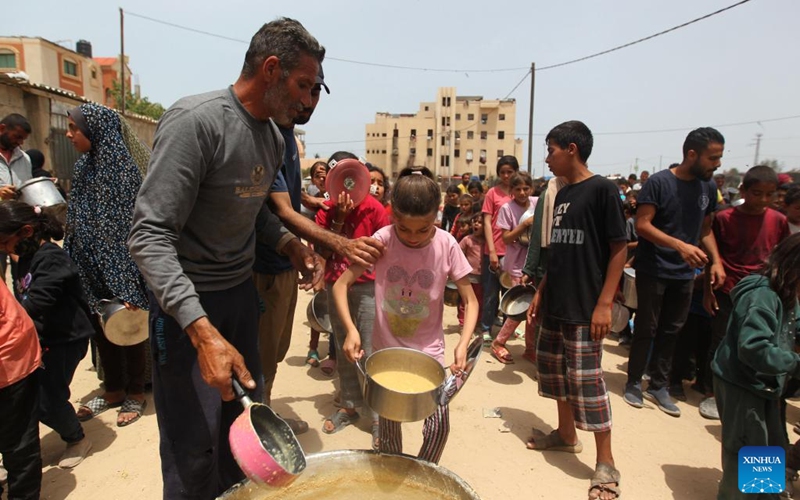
<point>104,187</point>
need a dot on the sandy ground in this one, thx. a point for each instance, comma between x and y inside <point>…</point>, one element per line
<point>660,457</point>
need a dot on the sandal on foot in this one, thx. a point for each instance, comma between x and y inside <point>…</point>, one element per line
<point>553,442</point>
<point>328,367</point>
<point>131,406</point>
<point>96,406</point>
<point>312,359</point>
<point>376,436</point>
<point>501,354</point>
<point>340,420</point>
<point>605,479</point>
<point>298,426</point>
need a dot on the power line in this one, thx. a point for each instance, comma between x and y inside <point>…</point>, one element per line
<point>444,70</point>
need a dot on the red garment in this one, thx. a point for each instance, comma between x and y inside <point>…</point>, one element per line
<point>745,241</point>
<point>20,354</point>
<point>494,201</point>
<point>456,229</point>
<point>364,220</point>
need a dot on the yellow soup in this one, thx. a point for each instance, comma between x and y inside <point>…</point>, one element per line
<point>406,382</point>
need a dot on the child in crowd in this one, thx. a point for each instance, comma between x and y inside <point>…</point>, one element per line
<point>495,247</point>
<point>745,236</point>
<point>756,359</point>
<point>472,246</point>
<point>584,265</point>
<point>410,279</point>
<point>791,206</point>
<point>466,203</point>
<point>352,221</point>
<point>315,195</point>
<point>451,207</point>
<point>379,186</point>
<point>51,293</point>
<point>475,189</point>
<point>515,218</point>
<point>20,358</point>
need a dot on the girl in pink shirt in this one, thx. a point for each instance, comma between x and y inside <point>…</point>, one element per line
<point>410,279</point>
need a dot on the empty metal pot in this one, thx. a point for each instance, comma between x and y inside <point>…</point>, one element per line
<point>317,312</point>
<point>40,191</point>
<point>516,301</point>
<point>629,288</point>
<point>451,295</point>
<point>123,327</point>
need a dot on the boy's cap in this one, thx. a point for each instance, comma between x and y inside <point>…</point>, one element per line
<point>321,80</point>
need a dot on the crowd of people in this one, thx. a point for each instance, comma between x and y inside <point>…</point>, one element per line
<point>213,234</point>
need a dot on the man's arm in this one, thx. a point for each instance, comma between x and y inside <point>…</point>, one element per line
<point>693,255</point>
<point>601,317</point>
<point>362,251</point>
<point>716,275</point>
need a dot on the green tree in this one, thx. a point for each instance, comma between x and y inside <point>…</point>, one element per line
<point>772,163</point>
<point>138,105</point>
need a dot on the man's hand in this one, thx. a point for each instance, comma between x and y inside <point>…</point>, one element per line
<point>717,275</point>
<point>362,252</point>
<point>533,309</point>
<point>218,359</point>
<point>601,322</point>
<point>710,301</point>
<point>8,192</point>
<point>693,255</point>
<point>313,203</point>
<point>309,264</point>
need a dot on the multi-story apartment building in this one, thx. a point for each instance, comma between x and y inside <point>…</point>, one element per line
<point>47,63</point>
<point>451,136</point>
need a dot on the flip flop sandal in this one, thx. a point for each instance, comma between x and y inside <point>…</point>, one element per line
<point>552,442</point>
<point>312,358</point>
<point>502,355</point>
<point>604,475</point>
<point>328,367</point>
<point>132,406</point>
<point>340,420</point>
<point>96,406</point>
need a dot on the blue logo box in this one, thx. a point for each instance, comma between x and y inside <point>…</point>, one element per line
<point>762,469</point>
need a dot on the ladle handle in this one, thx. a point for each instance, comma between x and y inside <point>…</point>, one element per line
<point>239,391</point>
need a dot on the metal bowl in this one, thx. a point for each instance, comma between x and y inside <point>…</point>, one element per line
<point>317,312</point>
<point>361,474</point>
<point>516,301</point>
<point>451,295</point>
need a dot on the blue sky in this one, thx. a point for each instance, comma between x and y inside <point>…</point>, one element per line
<point>737,67</point>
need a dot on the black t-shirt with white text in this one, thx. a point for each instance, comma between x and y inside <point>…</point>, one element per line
<point>587,216</point>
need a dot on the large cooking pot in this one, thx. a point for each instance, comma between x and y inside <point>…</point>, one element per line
<point>263,444</point>
<point>398,405</point>
<point>123,327</point>
<point>359,475</point>
<point>629,288</point>
<point>516,301</point>
<point>451,295</point>
<point>619,317</point>
<point>317,312</point>
<point>40,191</point>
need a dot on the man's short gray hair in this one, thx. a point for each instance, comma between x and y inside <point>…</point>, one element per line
<point>284,38</point>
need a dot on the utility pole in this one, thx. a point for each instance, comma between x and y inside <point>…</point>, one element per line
<point>122,59</point>
<point>530,121</point>
<point>758,146</point>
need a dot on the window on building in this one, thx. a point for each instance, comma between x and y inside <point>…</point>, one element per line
<point>94,73</point>
<point>413,132</point>
<point>470,134</point>
<point>484,118</point>
<point>446,121</point>
<point>443,122</point>
<point>469,155</point>
<point>500,153</point>
<point>443,140</point>
<point>395,133</point>
<point>483,156</point>
<point>501,117</point>
<point>458,135</point>
<point>484,135</point>
<point>8,59</point>
<point>458,116</point>
<point>501,134</point>
<point>456,153</point>
<point>430,134</point>
<point>383,134</point>
<point>448,101</point>
<point>470,117</point>
<point>445,161</point>
<point>429,152</point>
<point>383,151</point>
<point>70,68</point>
<point>426,108</point>
<point>413,152</point>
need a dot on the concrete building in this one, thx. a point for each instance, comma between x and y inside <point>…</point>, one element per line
<point>52,65</point>
<point>451,136</point>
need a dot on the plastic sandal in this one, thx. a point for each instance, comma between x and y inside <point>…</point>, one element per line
<point>552,442</point>
<point>340,420</point>
<point>312,359</point>
<point>604,476</point>
<point>328,367</point>
<point>96,406</point>
<point>132,406</point>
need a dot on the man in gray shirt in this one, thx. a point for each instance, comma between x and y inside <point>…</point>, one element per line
<point>194,230</point>
<point>15,166</point>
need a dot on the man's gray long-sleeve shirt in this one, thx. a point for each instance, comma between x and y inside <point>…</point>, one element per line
<point>195,218</point>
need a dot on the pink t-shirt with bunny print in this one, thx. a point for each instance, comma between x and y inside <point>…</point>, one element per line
<point>409,291</point>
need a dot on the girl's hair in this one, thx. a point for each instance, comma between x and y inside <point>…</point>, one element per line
<point>415,194</point>
<point>14,215</point>
<point>521,178</point>
<point>453,189</point>
<point>465,198</point>
<point>318,165</point>
<point>783,270</point>
<point>475,185</point>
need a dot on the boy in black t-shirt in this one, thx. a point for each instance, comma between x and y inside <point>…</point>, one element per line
<point>586,256</point>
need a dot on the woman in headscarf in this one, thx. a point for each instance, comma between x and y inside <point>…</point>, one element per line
<point>105,182</point>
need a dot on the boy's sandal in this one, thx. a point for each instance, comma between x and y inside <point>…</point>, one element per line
<point>605,479</point>
<point>132,406</point>
<point>328,367</point>
<point>95,406</point>
<point>340,420</point>
<point>312,358</point>
<point>502,355</point>
<point>552,442</point>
